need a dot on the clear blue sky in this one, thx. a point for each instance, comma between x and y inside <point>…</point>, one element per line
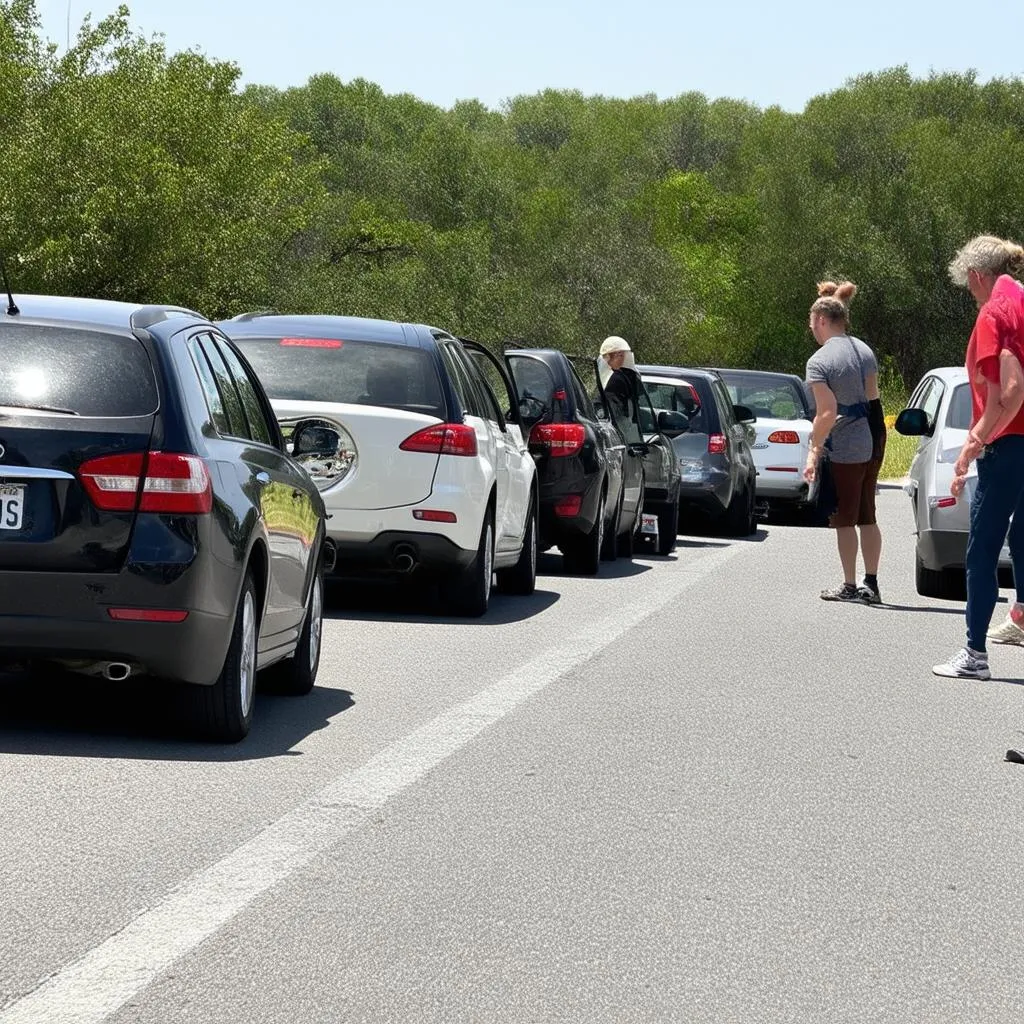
<point>445,50</point>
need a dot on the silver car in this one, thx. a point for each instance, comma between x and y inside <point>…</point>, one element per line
<point>939,412</point>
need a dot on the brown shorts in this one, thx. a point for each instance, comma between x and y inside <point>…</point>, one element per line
<point>855,493</point>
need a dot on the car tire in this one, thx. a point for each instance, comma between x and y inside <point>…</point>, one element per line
<point>468,593</point>
<point>223,712</point>
<point>668,527</point>
<point>944,584</point>
<point>752,515</point>
<point>739,514</point>
<point>582,555</point>
<point>610,548</point>
<point>521,578</point>
<point>296,676</point>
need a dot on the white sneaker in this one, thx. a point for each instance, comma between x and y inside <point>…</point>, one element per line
<point>965,664</point>
<point>1008,633</point>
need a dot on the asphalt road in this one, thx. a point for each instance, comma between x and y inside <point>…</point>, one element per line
<point>687,790</point>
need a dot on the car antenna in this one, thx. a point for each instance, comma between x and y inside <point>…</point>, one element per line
<point>12,308</point>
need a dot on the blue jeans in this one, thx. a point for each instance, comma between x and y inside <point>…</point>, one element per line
<point>999,495</point>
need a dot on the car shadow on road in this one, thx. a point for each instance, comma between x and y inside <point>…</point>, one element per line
<point>61,715</point>
<point>551,563</point>
<point>410,602</point>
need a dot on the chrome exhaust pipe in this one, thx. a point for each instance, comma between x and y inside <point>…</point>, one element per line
<point>404,559</point>
<point>115,671</point>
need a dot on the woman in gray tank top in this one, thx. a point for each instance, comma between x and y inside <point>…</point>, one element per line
<point>850,427</point>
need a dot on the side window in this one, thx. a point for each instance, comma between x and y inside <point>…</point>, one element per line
<point>583,403</point>
<point>457,374</point>
<point>931,400</point>
<point>493,389</point>
<point>237,426</point>
<point>725,410</point>
<point>214,403</point>
<point>259,429</point>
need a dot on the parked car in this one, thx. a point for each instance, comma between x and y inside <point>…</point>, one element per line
<point>939,413</point>
<point>646,433</point>
<point>151,520</point>
<point>783,410</point>
<point>591,481</point>
<point>719,478</point>
<point>423,468</point>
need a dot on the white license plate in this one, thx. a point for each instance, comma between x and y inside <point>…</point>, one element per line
<point>12,506</point>
<point>649,525</point>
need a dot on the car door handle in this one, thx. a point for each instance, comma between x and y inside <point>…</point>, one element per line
<point>262,477</point>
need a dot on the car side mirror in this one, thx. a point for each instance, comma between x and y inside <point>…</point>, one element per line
<point>744,414</point>
<point>323,449</point>
<point>912,423</point>
<point>672,424</point>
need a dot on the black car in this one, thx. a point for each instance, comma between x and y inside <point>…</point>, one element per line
<point>648,432</point>
<point>719,478</point>
<point>591,480</point>
<point>152,523</point>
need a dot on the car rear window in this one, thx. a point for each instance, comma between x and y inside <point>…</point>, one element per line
<point>679,397</point>
<point>779,398</point>
<point>960,408</point>
<point>343,370</point>
<point>89,373</point>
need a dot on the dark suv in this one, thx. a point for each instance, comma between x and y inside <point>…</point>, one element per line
<point>591,481</point>
<point>716,462</point>
<point>152,522</point>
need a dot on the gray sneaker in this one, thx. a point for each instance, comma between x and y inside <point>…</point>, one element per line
<point>869,594</point>
<point>1008,633</point>
<point>965,664</point>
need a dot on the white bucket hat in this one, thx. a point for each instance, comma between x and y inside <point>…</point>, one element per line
<point>614,344</point>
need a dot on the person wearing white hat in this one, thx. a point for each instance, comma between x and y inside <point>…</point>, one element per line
<point>617,369</point>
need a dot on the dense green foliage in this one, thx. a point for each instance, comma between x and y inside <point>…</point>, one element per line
<point>696,229</point>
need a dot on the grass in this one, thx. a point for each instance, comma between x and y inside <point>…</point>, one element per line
<point>899,450</point>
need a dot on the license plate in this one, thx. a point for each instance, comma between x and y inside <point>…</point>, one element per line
<point>649,525</point>
<point>12,506</point>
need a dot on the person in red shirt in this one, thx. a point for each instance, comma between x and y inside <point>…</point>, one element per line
<point>996,439</point>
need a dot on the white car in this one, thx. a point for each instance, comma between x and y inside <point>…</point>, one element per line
<point>423,467</point>
<point>784,412</point>
<point>939,412</point>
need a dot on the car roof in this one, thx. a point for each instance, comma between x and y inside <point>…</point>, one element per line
<point>102,314</point>
<point>686,372</point>
<point>657,378</point>
<point>351,328</point>
<point>766,374</point>
<point>947,373</point>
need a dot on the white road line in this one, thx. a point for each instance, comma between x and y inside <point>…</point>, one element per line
<point>110,974</point>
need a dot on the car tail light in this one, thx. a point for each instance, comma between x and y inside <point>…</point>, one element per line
<point>148,614</point>
<point>784,437</point>
<point>716,444</point>
<point>781,469</point>
<point>434,515</point>
<point>442,439</point>
<point>947,501</point>
<point>569,506</point>
<point>170,483</point>
<point>559,438</point>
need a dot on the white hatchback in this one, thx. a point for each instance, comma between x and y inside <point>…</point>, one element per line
<point>423,467</point>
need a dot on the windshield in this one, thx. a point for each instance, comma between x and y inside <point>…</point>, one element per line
<point>81,372</point>
<point>342,370</point>
<point>778,398</point>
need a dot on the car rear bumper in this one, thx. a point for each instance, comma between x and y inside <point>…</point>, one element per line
<point>66,617</point>
<point>947,549</point>
<point>709,493</point>
<point>778,486</point>
<point>554,527</point>
<point>385,555</point>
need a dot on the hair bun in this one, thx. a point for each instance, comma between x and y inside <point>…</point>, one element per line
<point>1014,259</point>
<point>827,288</point>
<point>845,292</point>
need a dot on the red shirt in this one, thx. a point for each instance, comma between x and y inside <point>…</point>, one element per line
<point>1000,325</point>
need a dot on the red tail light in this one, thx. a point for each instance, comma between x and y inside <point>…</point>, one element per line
<point>716,444</point>
<point>559,438</point>
<point>784,437</point>
<point>443,439</point>
<point>569,506</point>
<point>170,483</point>
<point>147,614</point>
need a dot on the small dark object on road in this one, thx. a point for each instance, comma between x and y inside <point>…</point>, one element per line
<point>1016,756</point>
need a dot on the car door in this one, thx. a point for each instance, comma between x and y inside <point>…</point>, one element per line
<point>492,446</point>
<point>607,441</point>
<point>277,486</point>
<point>660,464</point>
<point>741,458</point>
<point>928,398</point>
<point>500,394</point>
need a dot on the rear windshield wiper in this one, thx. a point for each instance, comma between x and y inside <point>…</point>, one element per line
<point>38,408</point>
